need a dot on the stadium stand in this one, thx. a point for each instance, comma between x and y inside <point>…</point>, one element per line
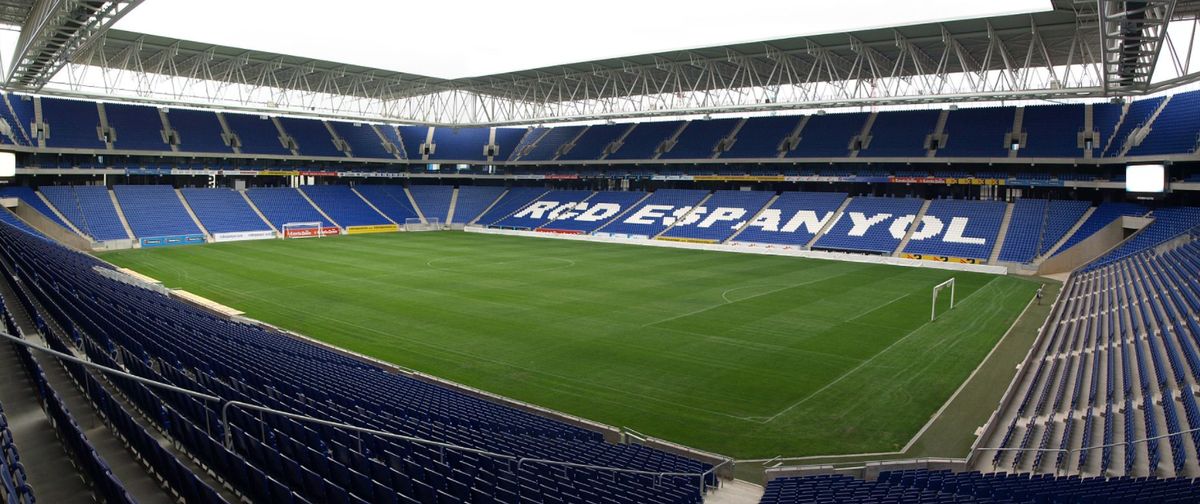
<point>460,144</point>
<point>927,486</point>
<point>198,130</point>
<point>13,487</point>
<point>657,213</point>
<point>958,228</point>
<point>1103,215</point>
<point>27,197</point>
<point>977,132</point>
<point>699,139</point>
<point>828,135</point>
<point>433,200</point>
<point>412,138</point>
<point>258,134</point>
<point>593,142</point>
<point>601,208</point>
<point>1061,216</point>
<point>1175,130</point>
<point>89,208</point>
<point>74,124</point>
<point>901,133</point>
<point>282,205</point>
<point>1118,356</point>
<point>793,219</point>
<point>362,140</point>
<point>720,216</point>
<point>392,136</point>
<point>389,199</point>
<point>17,111</point>
<point>548,144</point>
<point>643,141</point>
<point>513,200</point>
<point>1138,112</point>
<point>223,210</point>
<point>1024,230</point>
<point>135,127</point>
<point>311,136</point>
<point>871,224</point>
<point>154,211</point>
<point>1047,131</point>
<point>342,205</point>
<point>506,141</point>
<point>761,137</point>
<point>472,201</point>
<point>331,464</point>
<point>1168,223</point>
<point>546,209</point>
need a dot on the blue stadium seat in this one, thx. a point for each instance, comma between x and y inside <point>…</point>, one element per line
<point>223,210</point>
<point>793,219</point>
<point>154,211</point>
<point>870,224</point>
<point>958,228</point>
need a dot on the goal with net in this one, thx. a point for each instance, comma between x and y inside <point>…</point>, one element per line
<point>305,230</point>
<point>416,224</point>
<point>937,289</point>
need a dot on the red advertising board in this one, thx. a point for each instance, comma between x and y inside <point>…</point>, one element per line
<point>310,232</point>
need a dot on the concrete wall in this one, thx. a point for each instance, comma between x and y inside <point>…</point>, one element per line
<point>52,229</point>
<point>1094,246</point>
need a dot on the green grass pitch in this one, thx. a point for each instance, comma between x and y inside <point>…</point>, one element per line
<point>745,355</point>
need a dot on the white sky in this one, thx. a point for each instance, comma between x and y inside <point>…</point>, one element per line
<point>464,38</point>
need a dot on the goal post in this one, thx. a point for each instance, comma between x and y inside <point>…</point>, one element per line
<point>302,230</point>
<point>416,224</point>
<point>937,289</point>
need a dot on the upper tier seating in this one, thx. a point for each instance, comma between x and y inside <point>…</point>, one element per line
<point>282,205</point>
<point>828,135</point>
<point>311,136</point>
<point>154,211</point>
<point>362,140</point>
<point>901,133</point>
<point>604,206</point>
<point>460,144</point>
<point>656,213</point>
<point>958,228</point>
<point>198,130</point>
<point>760,137</point>
<point>89,208</point>
<point>273,456</point>
<point>472,201</point>
<point>699,139</point>
<point>547,145</point>
<point>413,137</point>
<point>223,210</point>
<point>643,141</point>
<point>1135,117</point>
<point>793,219</point>
<point>870,224</point>
<point>73,123</point>
<point>1104,122</point>
<point>17,111</point>
<point>257,133</point>
<point>136,127</point>
<point>545,209</point>
<point>1050,131</point>
<point>1103,215</point>
<point>1175,130</point>
<point>513,200</point>
<point>720,216</point>
<point>392,135</point>
<point>29,198</point>
<point>433,200</point>
<point>342,205</point>
<point>977,132</point>
<point>593,142</point>
<point>506,141</point>
<point>389,199</point>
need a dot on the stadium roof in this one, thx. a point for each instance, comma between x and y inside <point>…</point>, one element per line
<point>1078,49</point>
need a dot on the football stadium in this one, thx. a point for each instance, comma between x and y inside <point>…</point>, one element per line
<point>528,252</point>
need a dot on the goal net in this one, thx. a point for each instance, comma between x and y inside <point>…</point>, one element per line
<point>937,289</point>
<point>415,224</point>
<point>303,230</point>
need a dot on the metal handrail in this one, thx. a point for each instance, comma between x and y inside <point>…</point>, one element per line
<point>1069,451</point>
<point>228,433</point>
